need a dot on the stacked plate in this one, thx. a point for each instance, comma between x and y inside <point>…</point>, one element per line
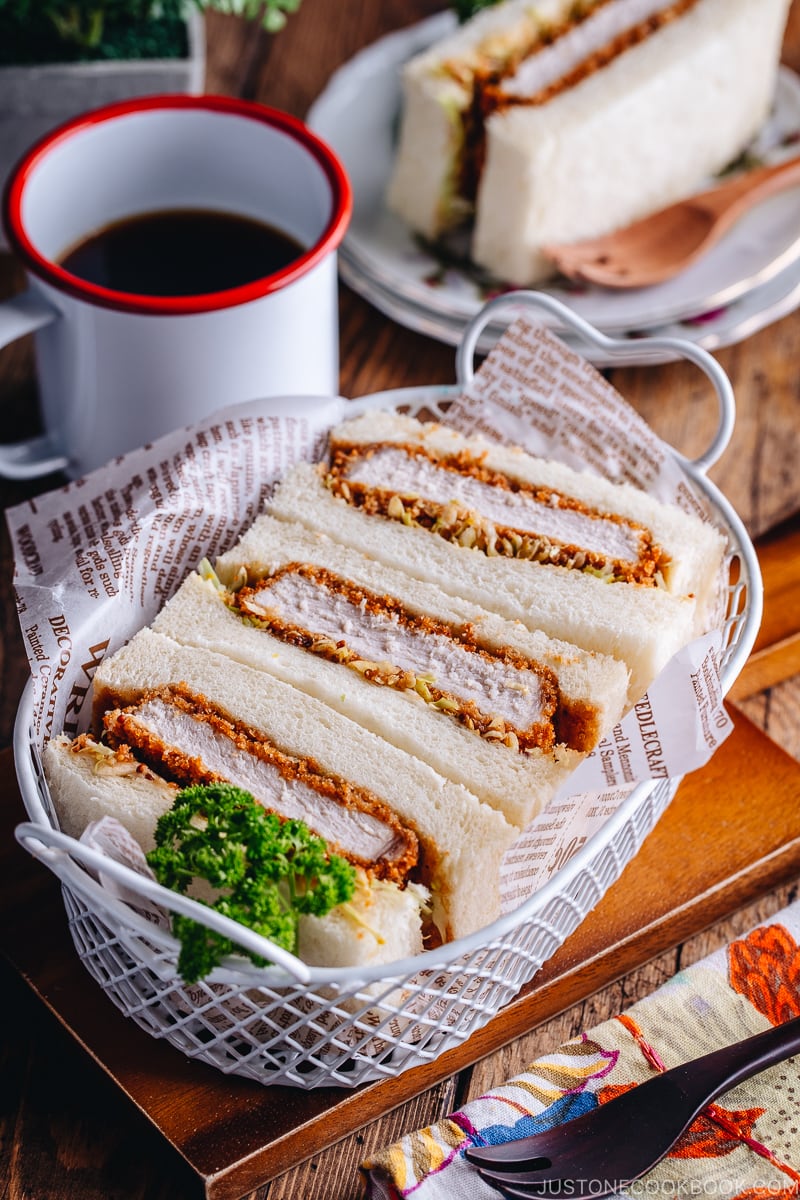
<point>751,278</point>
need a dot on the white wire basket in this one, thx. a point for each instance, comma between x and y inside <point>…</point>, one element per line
<point>308,1027</point>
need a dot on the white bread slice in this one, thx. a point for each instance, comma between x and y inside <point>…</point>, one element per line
<point>461,840</point>
<point>642,626</point>
<point>649,128</point>
<point>93,782</point>
<point>694,547</point>
<point>516,784</point>
<point>380,924</point>
<point>423,188</point>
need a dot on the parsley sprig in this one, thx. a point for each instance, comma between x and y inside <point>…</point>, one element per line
<point>267,871</point>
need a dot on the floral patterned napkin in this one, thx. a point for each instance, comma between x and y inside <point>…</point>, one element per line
<point>745,1146</point>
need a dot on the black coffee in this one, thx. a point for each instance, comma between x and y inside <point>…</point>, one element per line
<point>181,252</point>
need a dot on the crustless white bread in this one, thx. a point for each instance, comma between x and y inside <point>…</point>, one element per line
<point>554,121</point>
<point>614,572</point>
<point>687,551</point>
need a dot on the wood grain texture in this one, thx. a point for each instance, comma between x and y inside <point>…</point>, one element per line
<point>778,710</point>
<point>776,653</point>
<point>66,1131</point>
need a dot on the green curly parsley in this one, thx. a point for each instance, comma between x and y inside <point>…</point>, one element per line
<point>268,871</point>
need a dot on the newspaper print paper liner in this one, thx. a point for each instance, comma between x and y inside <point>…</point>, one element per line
<point>291,1023</point>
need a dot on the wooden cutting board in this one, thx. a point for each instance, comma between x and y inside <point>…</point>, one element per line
<point>731,834</point>
<point>776,653</point>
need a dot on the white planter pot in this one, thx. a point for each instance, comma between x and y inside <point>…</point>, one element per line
<point>35,99</point>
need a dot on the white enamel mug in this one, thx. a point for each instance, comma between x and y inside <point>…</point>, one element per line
<point>117,370</point>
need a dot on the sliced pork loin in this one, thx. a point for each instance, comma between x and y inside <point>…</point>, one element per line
<point>89,780</point>
<point>643,627</point>
<point>487,703</point>
<point>193,741</point>
<point>228,720</point>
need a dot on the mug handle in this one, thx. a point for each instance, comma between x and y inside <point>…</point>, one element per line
<point>37,455</point>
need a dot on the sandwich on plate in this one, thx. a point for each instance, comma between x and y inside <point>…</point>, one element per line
<point>598,565</point>
<point>192,716</point>
<point>505,712</point>
<point>549,121</point>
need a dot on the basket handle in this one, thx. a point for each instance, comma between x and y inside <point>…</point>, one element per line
<point>513,302</point>
<point>58,851</point>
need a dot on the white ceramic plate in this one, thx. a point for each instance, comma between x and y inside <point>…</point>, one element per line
<point>437,293</point>
<point>712,330</point>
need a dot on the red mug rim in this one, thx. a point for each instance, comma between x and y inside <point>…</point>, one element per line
<point>65,281</point>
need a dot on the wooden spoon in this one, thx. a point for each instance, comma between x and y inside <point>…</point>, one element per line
<point>661,245</point>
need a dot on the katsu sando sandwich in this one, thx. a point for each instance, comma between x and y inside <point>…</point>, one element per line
<point>563,517</point>
<point>555,120</point>
<point>89,780</point>
<point>194,716</point>
<point>488,704</point>
<point>603,567</point>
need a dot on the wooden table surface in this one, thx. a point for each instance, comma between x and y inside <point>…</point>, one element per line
<point>65,1132</point>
